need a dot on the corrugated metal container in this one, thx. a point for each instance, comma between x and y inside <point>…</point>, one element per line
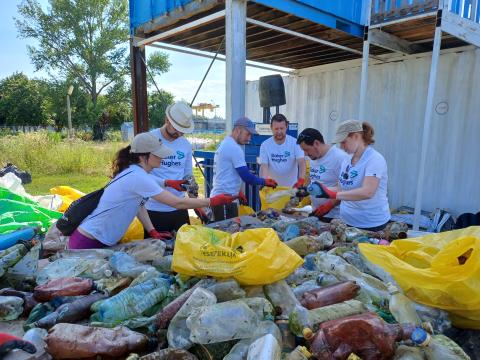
<point>397,91</point>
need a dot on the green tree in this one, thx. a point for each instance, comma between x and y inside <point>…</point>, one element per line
<point>157,104</point>
<point>22,102</point>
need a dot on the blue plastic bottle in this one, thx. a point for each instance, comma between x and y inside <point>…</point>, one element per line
<point>10,239</point>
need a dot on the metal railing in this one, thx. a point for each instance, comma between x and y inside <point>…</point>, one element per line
<point>389,10</point>
<point>467,9</point>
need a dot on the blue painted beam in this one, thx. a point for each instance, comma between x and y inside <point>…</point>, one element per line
<point>305,9</point>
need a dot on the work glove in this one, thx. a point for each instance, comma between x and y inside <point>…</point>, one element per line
<point>321,191</point>
<point>202,215</point>
<point>176,184</point>
<point>322,210</point>
<point>300,182</point>
<point>9,342</point>
<point>270,183</point>
<point>160,235</point>
<point>242,198</point>
<point>222,199</point>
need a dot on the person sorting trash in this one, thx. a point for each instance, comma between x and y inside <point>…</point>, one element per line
<point>362,184</point>
<point>280,156</point>
<point>125,196</point>
<point>230,168</point>
<point>325,164</point>
<point>173,169</point>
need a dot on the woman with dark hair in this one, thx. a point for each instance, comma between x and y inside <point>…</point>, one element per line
<point>362,184</point>
<point>125,196</point>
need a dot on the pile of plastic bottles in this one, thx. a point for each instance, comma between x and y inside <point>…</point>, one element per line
<point>125,302</point>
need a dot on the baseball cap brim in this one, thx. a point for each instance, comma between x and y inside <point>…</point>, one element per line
<point>339,137</point>
<point>251,130</point>
<point>163,151</point>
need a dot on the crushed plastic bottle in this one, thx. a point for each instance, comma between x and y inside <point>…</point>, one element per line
<point>438,318</point>
<point>282,297</point>
<point>366,335</point>
<point>303,288</point>
<point>302,318</point>
<point>401,307</point>
<point>287,338</point>
<point>260,306</point>
<point>11,307</point>
<point>307,244</point>
<point>329,295</point>
<point>12,255</point>
<point>72,341</point>
<point>126,265</point>
<point>62,287</point>
<point>178,333</point>
<point>144,251</point>
<point>222,322</point>
<point>404,352</point>
<point>73,267</point>
<point>28,301</point>
<point>163,264</point>
<point>131,302</point>
<point>227,290</point>
<point>265,348</point>
<point>438,346</point>
<point>240,350</point>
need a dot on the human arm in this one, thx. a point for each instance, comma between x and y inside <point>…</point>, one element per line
<point>263,170</point>
<point>144,218</point>
<point>366,191</point>
<point>248,177</point>
<point>191,203</point>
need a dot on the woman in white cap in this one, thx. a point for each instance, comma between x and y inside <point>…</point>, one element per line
<point>125,196</point>
<point>362,184</point>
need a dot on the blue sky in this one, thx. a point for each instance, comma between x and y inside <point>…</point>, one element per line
<point>182,80</point>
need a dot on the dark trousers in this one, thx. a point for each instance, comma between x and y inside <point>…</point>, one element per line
<point>168,220</point>
<point>224,212</point>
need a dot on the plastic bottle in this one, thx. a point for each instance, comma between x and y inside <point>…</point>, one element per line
<point>126,265</point>
<point>222,322</point>
<point>264,348</point>
<point>28,301</point>
<point>300,353</point>
<point>72,341</point>
<point>13,255</point>
<point>11,307</point>
<point>131,302</point>
<point>404,352</point>
<point>260,306</point>
<point>62,287</point>
<point>287,338</point>
<point>240,350</point>
<point>282,297</point>
<point>269,327</point>
<point>164,264</point>
<point>65,267</point>
<point>366,335</point>
<point>301,318</point>
<point>178,333</point>
<point>167,354</point>
<point>37,338</point>
<point>329,295</point>
<point>10,239</point>
<point>227,290</point>
<point>307,244</point>
<point>303,288</point>
<point>438,346</point>
<point>401,307</point>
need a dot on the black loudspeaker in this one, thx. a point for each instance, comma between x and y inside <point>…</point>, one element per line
<point>271,91</point>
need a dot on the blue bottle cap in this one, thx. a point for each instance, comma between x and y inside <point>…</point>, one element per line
<point>419,336</point>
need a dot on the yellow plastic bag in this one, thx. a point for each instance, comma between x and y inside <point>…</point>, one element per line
<point>245,210</point>
<point>281,202</point>
<point>439,270</point>
<point>69,195</point>
<point>252,257</point>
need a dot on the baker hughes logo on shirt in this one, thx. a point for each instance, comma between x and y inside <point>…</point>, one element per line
<point>347,176</point>
<point>280,157</point>
<point>316,172</point>
<point>171,160</point>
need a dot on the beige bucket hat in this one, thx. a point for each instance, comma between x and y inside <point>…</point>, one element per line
<point>345,128</point>
<point>181,117</point>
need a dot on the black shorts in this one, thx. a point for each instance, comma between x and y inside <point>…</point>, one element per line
<point>224,212</point>
<point>168,220</point>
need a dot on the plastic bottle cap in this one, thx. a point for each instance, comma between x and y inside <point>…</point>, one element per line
<point>305,352</point>
<point>420,337</point>
<point>307,333</point>
<point>108,273</point>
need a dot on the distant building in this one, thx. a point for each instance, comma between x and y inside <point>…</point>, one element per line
<point>214,125</point>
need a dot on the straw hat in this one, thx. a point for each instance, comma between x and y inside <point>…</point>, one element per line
<point>181,117</point>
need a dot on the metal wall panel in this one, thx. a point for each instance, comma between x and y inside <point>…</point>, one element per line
<point>397,90</point>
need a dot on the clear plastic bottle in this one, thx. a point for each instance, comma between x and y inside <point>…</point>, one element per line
<point>227,290</point>
<point>11,307</point>
<point>401,307</point>
<point>282,297</point>
<point>404,352</point>
<point>307,244</point>
<point>264,348</point>
<point>178,333</point>
<point>300,353</point>
<point>13,255</point>
<point>126,265</point>
<point>438,346</point>
<point>240,350</point>
<point>222,322</point>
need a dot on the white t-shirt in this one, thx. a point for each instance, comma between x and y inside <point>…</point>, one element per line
<point>119,205</point>
<point>228,157</point>
<point>174,167</point>
<point>371,212</point>
<point>326,170</point>
<point>281,159</point>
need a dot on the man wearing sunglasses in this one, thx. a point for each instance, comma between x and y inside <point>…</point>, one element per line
<point>325,164</point>
<point>280,156</point>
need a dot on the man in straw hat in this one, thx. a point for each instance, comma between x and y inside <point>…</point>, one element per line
<point>174,168</point>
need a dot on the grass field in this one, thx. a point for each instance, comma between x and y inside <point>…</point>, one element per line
<point>54,161</point>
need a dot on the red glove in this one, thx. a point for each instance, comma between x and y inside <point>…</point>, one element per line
<point>325,192</point>
<point>9,342</point>
<point>300,182</point>
<point>270,183</point>
<point>242,198</point>
<point>323,209</point>
<point>222,199</point>
<point>202,215</point>
<point>160,235</point>
<point>176,184</point>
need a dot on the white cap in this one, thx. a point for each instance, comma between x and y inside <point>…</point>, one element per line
<point>148,143</point>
